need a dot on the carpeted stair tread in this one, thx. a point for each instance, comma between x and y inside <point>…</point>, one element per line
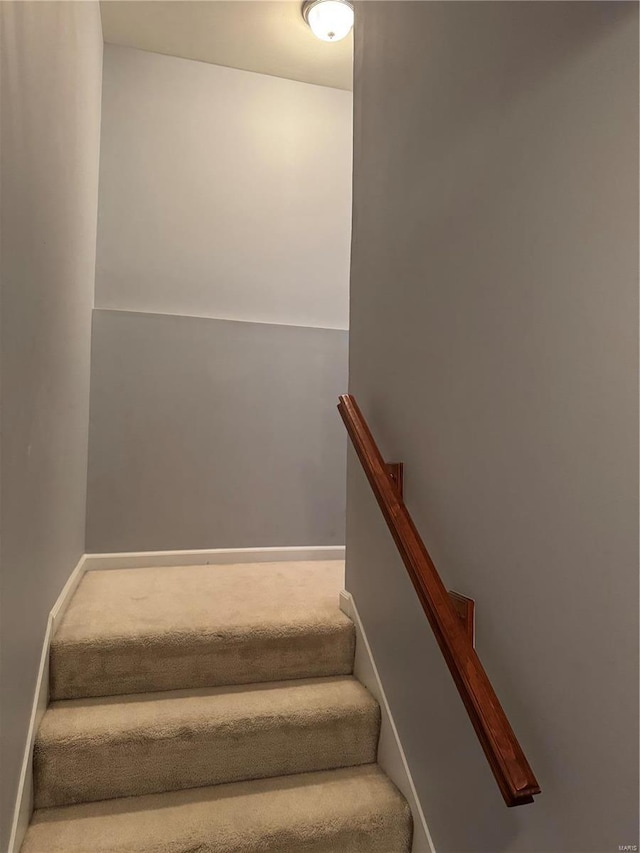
<point>211,709</point>
<point>354,810</point>
<point>151,629</point>
<point>95,749</point>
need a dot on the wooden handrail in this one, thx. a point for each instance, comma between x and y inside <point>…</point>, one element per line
<point>506,758</point>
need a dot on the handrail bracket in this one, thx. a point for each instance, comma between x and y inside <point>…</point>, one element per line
<point>466,610</point>
<point>396,472</point>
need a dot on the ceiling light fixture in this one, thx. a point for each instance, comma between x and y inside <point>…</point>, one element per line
<point>329,20</point>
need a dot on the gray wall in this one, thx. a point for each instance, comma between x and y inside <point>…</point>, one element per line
<point>225,196</point>
<point>214,433</point>
<point>493,348</point>
<point>51,72</point>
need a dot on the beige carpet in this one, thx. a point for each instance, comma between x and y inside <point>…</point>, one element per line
<point>281,758</point>
<point>355,810</point>
<point>201,626</point>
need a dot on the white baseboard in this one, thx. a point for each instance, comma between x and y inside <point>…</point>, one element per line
<point>24,799</point>
<point>391,757</point>
<point>205,557</point>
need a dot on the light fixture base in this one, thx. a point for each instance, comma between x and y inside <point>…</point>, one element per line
<point>324,29</point>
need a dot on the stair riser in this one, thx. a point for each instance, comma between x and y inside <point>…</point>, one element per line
<point>355,810</point>
<point>80,671</point>
<point>385,839</point>
<point>73,772</point>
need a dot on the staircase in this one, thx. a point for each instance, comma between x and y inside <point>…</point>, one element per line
<point>211,709</point>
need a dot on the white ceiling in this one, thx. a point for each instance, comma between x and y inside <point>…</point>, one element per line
<point>267,36</point>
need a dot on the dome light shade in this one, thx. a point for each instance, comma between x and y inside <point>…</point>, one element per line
<point>330,20</point>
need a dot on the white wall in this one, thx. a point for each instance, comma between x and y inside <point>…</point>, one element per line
<point>223,193</point>
<point>494,349</point>
<point>51,72</point>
